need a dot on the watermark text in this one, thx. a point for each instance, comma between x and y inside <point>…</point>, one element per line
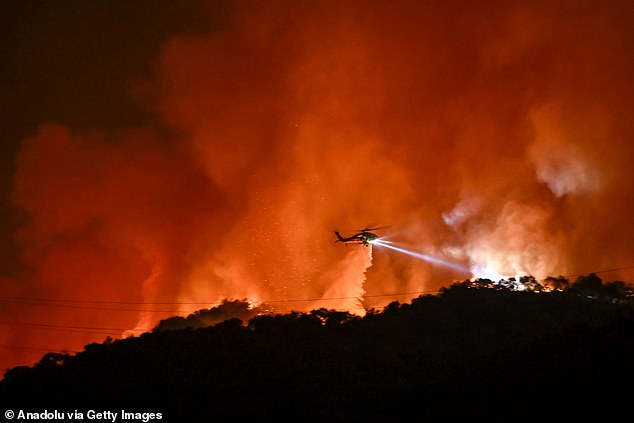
<point>75,415</point>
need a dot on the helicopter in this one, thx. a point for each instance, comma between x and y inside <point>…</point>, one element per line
<point>363,236</point>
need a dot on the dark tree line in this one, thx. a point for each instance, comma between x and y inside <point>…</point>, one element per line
<point>477,350</point>
<point>590,286</point>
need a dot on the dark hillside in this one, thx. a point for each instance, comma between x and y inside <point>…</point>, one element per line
<point>465,353</point>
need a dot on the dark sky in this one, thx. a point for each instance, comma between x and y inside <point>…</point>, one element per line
<point>185,152</point>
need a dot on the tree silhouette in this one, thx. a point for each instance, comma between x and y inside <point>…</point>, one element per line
<point>588,286</point>
<point>559,283</point>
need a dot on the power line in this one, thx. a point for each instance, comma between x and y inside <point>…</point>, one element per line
<point>50,326</point>
<point>37,350</point>
<point>615,269</point>
<point>50,301</point>
<point>118,331</point>
<point>44,301</point>
<point>435,291</point>
<point>57,300</point>
<point>60,305</point>
<point>70,303</point>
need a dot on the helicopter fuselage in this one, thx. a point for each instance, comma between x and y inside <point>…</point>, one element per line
<point>362,237</point>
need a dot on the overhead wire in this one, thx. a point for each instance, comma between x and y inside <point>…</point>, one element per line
<point>119,331</point>
<point>615,269</point>
<point>72,303</point>
<point>64,302</point>
<point>69,327</point>
<point>37,350</point>
<point>208,303</point>
<point>61,305</point>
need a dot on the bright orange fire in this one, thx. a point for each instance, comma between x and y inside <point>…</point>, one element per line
<point>496,137</point>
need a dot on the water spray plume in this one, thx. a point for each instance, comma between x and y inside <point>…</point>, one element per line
<point>427,258</point>
<point>350,277</point>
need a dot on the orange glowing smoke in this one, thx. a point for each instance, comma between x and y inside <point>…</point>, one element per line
<point>494,135</point>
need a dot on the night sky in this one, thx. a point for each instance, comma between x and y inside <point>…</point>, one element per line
<point>165,155</point>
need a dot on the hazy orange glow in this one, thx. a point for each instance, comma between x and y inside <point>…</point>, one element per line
<point>497,136</point>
